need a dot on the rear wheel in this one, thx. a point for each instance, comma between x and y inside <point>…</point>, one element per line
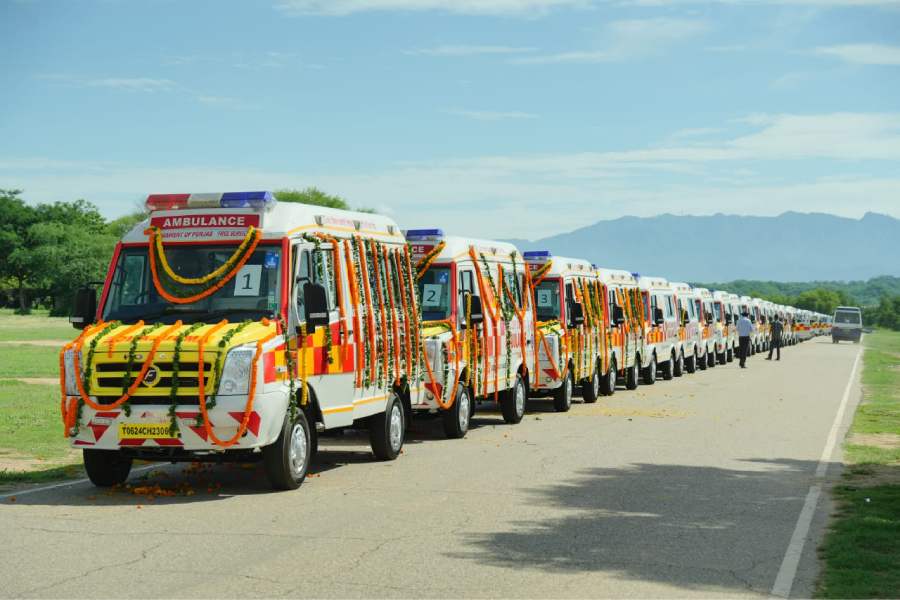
<point>590,388</point>
<point>679,365</point>
<point>702,362</point>
<point>106,468</point>
<point>632,379</point>
<point>287,460</point>
<point>650,371</point>
<point>512,404</point>
<point>456,418</point>
<point>710,358</point>
<point>609,382</point>
<point>562,396</point>
<point>386,430</point>
<point>690,364</point>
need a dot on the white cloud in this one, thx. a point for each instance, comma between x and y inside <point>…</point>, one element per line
<point>527,8</point>
<point>489,115</point>
<point>865,54</point>
<point>628,39</point>
<point>448,50</point>
<point>477,195</point>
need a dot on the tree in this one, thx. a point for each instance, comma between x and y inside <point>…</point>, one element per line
<point>16,218</point>
<point>119,227</point>
<point>311,195</point>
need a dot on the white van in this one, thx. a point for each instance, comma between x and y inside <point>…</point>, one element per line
<point>661,325</point>
<point>846,324</point>
<point>626,331</point>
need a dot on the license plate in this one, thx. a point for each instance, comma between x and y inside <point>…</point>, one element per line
<point>144,431</point>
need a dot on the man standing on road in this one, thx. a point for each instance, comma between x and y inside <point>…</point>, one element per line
<point>745,330</point>
<point>775,342</point>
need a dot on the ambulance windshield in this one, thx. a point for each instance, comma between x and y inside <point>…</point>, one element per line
<point>434,289</point>
<point>253,293</point>
<point>546,297</point>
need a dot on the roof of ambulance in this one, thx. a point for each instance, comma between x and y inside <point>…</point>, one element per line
<point>652,281</point>
<point>457,247</point>
<point>563,265</point>
<point>292,219</point>
<point>615,275</point>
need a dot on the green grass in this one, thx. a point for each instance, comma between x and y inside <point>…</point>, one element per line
<point>30,423</point>
<point>45,475</point>
<point>861,551</point>
<point>28,361</point>
<point>37,326</point>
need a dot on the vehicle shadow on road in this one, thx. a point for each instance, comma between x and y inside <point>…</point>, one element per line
<point>687,526</point>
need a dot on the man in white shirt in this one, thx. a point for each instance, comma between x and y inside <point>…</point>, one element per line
<point>745,330</point>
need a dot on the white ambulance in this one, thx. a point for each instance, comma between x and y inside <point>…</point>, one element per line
<point>661,324</point>
<point>710,330</point>
<point>724,316</point>
<point>626,331</point>
<point>570,338</point>
<point>690,331</point>
<point>477,326</point>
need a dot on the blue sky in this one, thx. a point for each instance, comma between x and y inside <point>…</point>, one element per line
<point>496,118</point>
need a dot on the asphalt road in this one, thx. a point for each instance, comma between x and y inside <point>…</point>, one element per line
<point>687,488</point>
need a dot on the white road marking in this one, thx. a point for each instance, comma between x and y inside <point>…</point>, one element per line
<point>66,484</point>
<point>784,581</point>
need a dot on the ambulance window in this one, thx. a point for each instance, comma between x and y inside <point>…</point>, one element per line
<point>434,290</point>
<point>304,275</point>
<point>649,306</point>
<point>466,284</point>
<point>546,296</point>
<point>654,304</point>
<point>670,307</point>
<point>131,289</point>
<point>718,308</point>
<point>322,268</point>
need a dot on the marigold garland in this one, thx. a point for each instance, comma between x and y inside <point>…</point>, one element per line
<point>219,283</point>
<point>156,241</point>
<point>424,263</point>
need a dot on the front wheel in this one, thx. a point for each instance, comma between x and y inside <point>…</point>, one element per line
<point>690,364</point>
<point>609,382</point>
<point>632,378</point>
<point>720,356</point>
<point>562,396</point>
<point>710,358</point>
<point>386,430</point>
<point>512,404</point>
<point>287,460</point>
<point>456,418</point>
<point>106,468</point>
<point>650,372</point>
<point>679,365</point>
<point>729,355</point>
<point>668,368</point>
<point>590,388</point>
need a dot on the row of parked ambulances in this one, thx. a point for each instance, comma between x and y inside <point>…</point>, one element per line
<point>231,327</point>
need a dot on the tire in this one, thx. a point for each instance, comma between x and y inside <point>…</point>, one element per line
<point>668,368</point>
<point>834,340</point>
<point>678,371</point>
<point>106,468</point>
<point>386,430</point>
<point>729,355</point>
<point>690,364</point>
<point>590,388</point>
<point>710,358</point>
<point>650,372</point>
<point>457,417</point>
<point>609,382</point>
<point>562,396</point>
<point>512,404</point>
<point>632,378</point>
<point>287,460</point>
<point>721,358</point>
<point>703,362</point>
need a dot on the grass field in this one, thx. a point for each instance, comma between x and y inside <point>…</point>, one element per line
<point>861,551</point>
<point>38,326</point>
<point>32,446</point>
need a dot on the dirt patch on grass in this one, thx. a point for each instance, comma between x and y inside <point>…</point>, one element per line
<point>33,380</point>
<point>50,343</point>
<point>888,441</point>
<point>871,474</point>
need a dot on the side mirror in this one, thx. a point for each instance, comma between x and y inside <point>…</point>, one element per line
<point>315,301</point>
<point>618,314</point>
<point>658,317</point>
<point>709,319</point>
<point>576,314</point>
<point>477,314</point>
<point>85,309</point>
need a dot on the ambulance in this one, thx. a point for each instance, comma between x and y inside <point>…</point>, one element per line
<point>723,304</point>
<point>627,328</point>
<point>661,325</point>
<point>709,330</point>
<point>571,341</point>
<point>691,342</point>
<point>747,307</point>
<point>476,325</point>
<point>232,327</point>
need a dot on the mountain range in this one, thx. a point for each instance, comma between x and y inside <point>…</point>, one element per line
<point>790,247</point>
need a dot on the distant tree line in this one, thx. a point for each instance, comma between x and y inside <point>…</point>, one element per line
<point>47,251</point>
<point>879,297</point>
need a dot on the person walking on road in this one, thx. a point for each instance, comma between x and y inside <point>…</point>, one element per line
<point>745,330</point>
<point>775,342</point>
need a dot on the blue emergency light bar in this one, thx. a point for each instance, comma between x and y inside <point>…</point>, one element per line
<point>255,200</point>
<point>245,199</point>
<point>416,233</point>
<point>537,254</point>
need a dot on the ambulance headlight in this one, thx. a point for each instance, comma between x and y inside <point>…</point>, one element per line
<point>69,368</point>
<point>235,379</point>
